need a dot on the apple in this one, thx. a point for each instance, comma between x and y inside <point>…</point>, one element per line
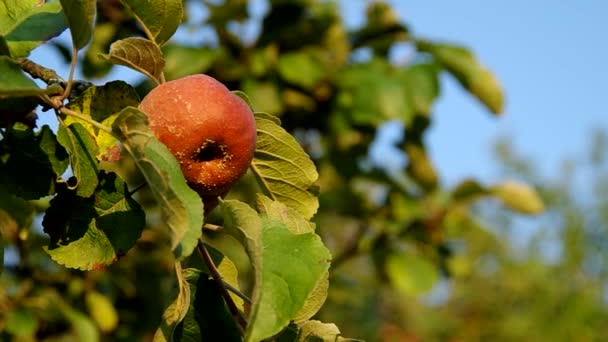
<point>210,131</point>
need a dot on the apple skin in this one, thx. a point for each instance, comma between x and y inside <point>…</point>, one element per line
<point>210,131</point>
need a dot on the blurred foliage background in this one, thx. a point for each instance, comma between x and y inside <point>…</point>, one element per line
<point>414,260</point>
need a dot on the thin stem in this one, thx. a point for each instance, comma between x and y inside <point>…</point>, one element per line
<point>215,274</point>
<point>68,87</point>
<point>237,292</point>
<point>70,112</point>
<point>212,227</point>
<point>137,188</point>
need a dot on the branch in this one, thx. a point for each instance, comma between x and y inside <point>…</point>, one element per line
<point>215,274</point>
<point>49,76</point>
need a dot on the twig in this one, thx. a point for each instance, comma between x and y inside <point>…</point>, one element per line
<point>137,188</point>
<point>215,274</point>
<point>49,76</point>
<point>237,292</point>
<point>212,227</point>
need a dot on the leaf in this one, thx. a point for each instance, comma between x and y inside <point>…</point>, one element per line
<point>83,150</point>
<point>287,267</point>
<point>102,104</point>
<point>80,15</point>
<point>16,215</point>
<point>159,18</point>
<point>410,274</point>
<point>176,311</point>
<point>519,197</point>
<point>14,83</point>
<point>207,317</point>
<point>283,170</point>
<point>32,162</point>
<point>373,93</point>
<point>102,311</point>
<point>468,189</point>
<point>422,86</point>
<point>139,54</point>
<point>310,331</point>
<point>21,323</point>
<point>303,68</point>
<point>182,60</point>
<point>473,76</point>
<point>25,25</point>
<point>181,207</point>
<point>90,233</point>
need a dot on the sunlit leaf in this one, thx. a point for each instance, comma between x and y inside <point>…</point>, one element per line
<point>177,310</point>
<point>80,15</point>
<point>83,150</point>
<point>287,267</point>
<point>90,233</point>
<point>302,68</point>
<point>409,273</point>
<point>182,60</point>
<point>159,18</point>
<point>422,86</point>
<point>284,171</point>
<point>461,63</point>
<point>181,207</point>
<point>24,25</point>
<point>139,54</point>
<point>519,197</point>
<point>313,330</point>
<point>102,104</point>
<point>102,311</point>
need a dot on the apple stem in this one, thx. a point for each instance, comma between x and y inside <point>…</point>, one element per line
<point>237,315</point>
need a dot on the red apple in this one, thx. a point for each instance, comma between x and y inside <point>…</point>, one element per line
<point>210,131</point>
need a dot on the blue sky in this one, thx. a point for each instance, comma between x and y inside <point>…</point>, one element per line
<point>550,57</point>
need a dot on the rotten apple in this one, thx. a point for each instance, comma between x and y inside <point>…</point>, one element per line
<point>210,131</point>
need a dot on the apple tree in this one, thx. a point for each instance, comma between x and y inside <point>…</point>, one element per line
<point>108,240</point>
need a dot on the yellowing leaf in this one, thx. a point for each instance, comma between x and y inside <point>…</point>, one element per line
<point>139,54</point>
<point>519,197</point>
<point>102,311</point>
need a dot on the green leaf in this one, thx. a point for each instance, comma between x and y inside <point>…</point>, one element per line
<point>176,311</point>
<point>83,151</point>
<point>284,171</point>
<point>410,274</point>
<point>102,104</point>
<point>25,25</point>
<point>287,266</point>
<point>468,189</point>
<point>182,60</point>
<point>181,207</point>
<point>102,311</point>
<point>473,76</point>
<point>303,68</point>
<point>373,93</point>
<point>90,233</point>
<point>159,18</point>
<point>80,15</point>
<point>422,86</point>
<point>313,331</point>
<point>207,317</point>
<point>519,197</point>
<point>139,54</point>
<point>21,323</point>
<point>16,214</point>
<point>31,162</point>
<point>14,83</point>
